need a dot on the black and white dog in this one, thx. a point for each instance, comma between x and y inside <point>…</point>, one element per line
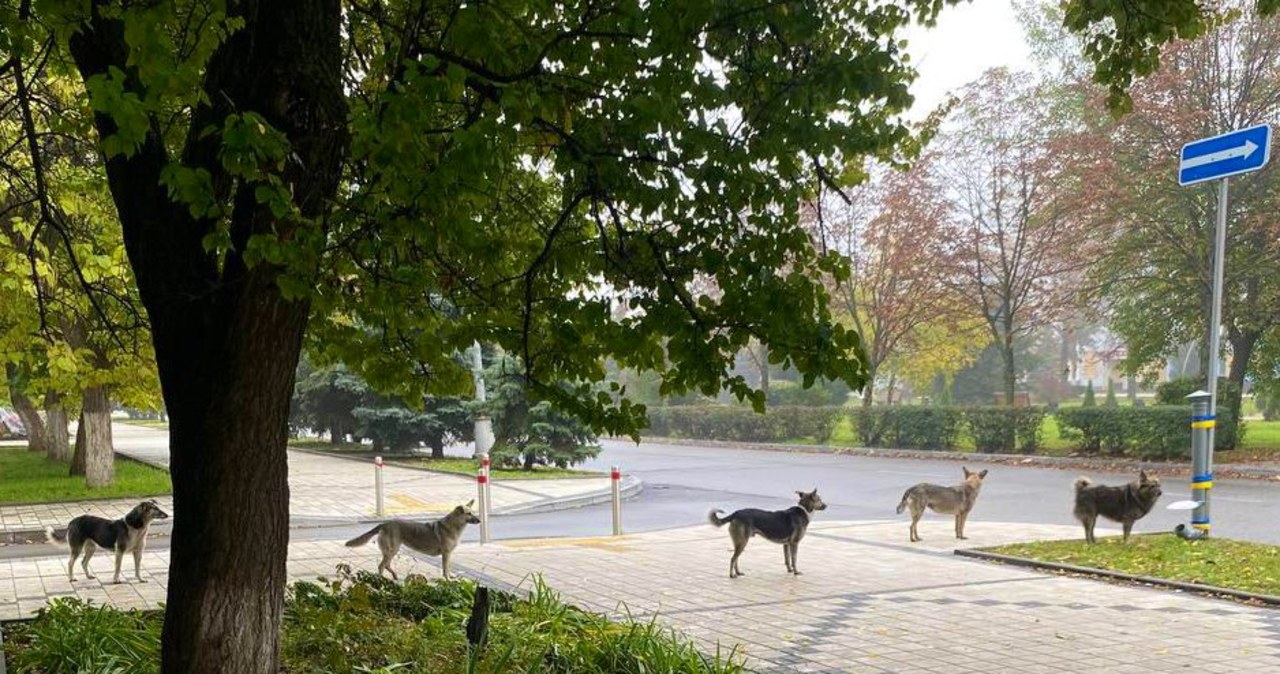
<point>785,527</point>
<point>87,533</point>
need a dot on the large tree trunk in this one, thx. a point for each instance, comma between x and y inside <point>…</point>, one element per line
<point>99,453</point>
<point>226,340</point>
<point>437,447</point>
<point>57,441</point>
<point>27,412</point>
<point>79,451</point>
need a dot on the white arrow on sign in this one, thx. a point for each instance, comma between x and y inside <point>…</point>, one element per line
<point>1245,150</point>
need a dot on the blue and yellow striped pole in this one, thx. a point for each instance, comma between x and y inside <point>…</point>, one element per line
<point>1202,424</point>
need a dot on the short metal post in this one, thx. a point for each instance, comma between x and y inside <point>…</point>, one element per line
<point>488,484</point>
<point>380,507</point>
<point>615,480</point>
<point>1202,423</point>
<point>482,479</point>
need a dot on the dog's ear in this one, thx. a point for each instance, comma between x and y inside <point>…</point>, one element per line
<point>471,503</point>
<point>982,474</point>
<point>966,471</point>
<point>1142,476</point>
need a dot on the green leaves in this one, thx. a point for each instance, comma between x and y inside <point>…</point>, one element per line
<point>110,96</point>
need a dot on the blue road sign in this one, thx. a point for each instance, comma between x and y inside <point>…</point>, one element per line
<point>1226,155</point>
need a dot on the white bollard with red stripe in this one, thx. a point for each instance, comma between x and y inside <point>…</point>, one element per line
<point>380,507</point>
<point>482,482</point>
<point>615,480</point>
<point>488,484</point>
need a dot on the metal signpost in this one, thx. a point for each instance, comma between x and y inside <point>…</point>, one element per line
<point>1214,158</point>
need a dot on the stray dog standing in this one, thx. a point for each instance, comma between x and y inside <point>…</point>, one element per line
<point>435,538</point>
<point>957,500</point>
<point>786,527</point>
<point>87,533</point>
<point>1126,504</point>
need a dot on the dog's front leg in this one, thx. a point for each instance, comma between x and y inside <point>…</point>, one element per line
<point>137,564</point>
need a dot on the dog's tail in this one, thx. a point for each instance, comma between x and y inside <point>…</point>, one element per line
<point>52,538</point>
<point>716,520</point>
<point>364,538</point>
<point>1081,483</point>
<point>906,498</point>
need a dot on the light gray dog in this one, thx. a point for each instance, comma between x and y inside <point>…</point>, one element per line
<point>434,538</point>
<point>957,500</point>
<point>87,533</point>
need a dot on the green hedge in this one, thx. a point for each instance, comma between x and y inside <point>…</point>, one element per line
<point>777,424</point>
<point>1229,431</point>
<point>908,426</point>
<point>1160,431</point>
<point>1005,430</point>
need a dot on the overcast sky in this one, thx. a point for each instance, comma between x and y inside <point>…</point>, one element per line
<point>969,39</point>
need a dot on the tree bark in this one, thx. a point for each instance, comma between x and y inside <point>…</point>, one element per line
<point>1009,372</point>
<point>57,442</point>
<point>27,412</point>
<point>99,453</point>
<point>437,448</point>
<point>869,391</point>
<point>226,340</point>
<point>79,451</point>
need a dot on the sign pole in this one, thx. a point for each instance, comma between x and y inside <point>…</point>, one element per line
<point>1216,158</point>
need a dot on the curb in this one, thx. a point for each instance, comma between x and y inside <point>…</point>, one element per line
<point>1268,599</point>
<point>391,461</point>
<point>1222,470</point>
<point>630,488</point>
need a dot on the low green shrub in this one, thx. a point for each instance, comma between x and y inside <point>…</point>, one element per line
<point>1005,430</point>
<point>362,623</point>
<point>1230,430</point>
<point>821,394</point>
<point>908,426</point>
<point>1159,431</point>
<point>72,636</point>
<point>715,422</point>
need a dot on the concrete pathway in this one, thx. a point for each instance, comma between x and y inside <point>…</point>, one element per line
<point>868,600</point>
<point>326,489</point>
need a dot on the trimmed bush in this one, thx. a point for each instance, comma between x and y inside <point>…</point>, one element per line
<point>908,426</point>
<point>783,393</point>
<point>1230,430</point>
<point>1160,431</point>
<point>777,424</point>
<point>1005,430</point>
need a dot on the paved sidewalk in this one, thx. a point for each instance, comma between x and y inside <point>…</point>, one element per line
<point>325,488</point>
<point>868,600</point>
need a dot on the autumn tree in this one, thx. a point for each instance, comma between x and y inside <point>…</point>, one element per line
<point>71,328</point>
<point>1157,277</point>
<point>1017,246</point>
<point>526,162</point>
<point>892,232</point>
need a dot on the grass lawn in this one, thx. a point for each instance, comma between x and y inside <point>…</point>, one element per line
<point>1239,565</point>
<point>28,477</point>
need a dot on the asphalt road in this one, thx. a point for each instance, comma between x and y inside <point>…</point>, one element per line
<point>683,482</point>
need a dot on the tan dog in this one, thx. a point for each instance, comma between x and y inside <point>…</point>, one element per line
<point>957,500</point>
<point>435,538</point>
